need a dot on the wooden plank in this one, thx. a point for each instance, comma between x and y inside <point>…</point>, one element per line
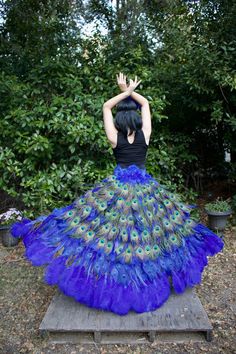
<point>182,313</point>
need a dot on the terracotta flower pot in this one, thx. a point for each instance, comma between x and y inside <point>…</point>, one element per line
<point>7,239</point>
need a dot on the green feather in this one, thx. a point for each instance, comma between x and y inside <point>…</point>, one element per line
<point>134,236</point>
<point>135,204</point>
<point>124,234</point>
<point>89,235</point>
<point>113,233</point>
<point>119,249</point>
<point>139,252</point>
<point>80,201</point>
<point>80,231</point>
<point>161,210</point>
<point>127,255</point>
<point>74,222</point>
<point>157,231</point>
<point>101,243</point>
<point>96,222</point>
<point>120,202</point>
<point>108,247</point>
<point>174,239</point>
<point>156,250</point>
<point>104,229</point>
<point>147,249</point>
<point>70,214</point>
<point>130,220</point>
<point>145,235</point>
<point>102,205</point>
<point>167,224</point>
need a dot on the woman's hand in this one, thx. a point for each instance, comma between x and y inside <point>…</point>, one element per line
<point>133,84</point>
<point>121,80</point>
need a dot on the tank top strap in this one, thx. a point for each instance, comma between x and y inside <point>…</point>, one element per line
<point>141,136</point>
<point>119,137</point>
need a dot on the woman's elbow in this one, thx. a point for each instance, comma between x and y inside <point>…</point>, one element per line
<point>106,105</point>
<point>145,102</point>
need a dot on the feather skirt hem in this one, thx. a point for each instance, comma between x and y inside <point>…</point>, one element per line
<point>122,245</point>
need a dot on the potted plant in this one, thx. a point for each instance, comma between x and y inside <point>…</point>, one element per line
<point>6,220</point>
<point>218,212</point>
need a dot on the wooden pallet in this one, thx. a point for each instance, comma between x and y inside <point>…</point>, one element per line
<point>182,318</point>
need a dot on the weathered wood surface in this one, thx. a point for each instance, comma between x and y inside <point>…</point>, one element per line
<point>181,318</point>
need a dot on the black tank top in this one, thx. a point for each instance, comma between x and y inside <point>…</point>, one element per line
<point>131,153</point>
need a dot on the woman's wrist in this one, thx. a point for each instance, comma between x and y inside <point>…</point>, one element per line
<point>139,98</point>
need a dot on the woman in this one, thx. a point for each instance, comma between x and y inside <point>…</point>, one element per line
<point>123,244</point>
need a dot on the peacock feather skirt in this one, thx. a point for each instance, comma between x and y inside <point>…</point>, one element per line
<point>121,245</point>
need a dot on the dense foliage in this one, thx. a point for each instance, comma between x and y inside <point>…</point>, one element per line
<point>54,81</point>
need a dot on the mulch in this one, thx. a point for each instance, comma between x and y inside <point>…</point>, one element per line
<point>24,299</point>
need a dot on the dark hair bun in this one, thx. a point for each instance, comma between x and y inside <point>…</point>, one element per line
<point>127,104</point>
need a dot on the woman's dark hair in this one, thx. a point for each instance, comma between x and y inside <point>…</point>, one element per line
<point>127,116</point>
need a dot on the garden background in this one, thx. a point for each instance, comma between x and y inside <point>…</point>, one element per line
<point>55,77</point>
<point>59,61</point>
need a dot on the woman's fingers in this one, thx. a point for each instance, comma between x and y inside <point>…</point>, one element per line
<point>121,79</point>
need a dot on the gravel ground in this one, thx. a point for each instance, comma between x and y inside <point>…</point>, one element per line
<point>24,299</point>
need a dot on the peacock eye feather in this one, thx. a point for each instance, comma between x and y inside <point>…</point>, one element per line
<point>75,221</point>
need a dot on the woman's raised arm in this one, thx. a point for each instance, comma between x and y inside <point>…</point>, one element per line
<point>145,110</point>
<point>110,128</point>
<point>145,113</point>
<point>112,102</point>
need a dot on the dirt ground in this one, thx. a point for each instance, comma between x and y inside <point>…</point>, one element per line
<point>24,299</point>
